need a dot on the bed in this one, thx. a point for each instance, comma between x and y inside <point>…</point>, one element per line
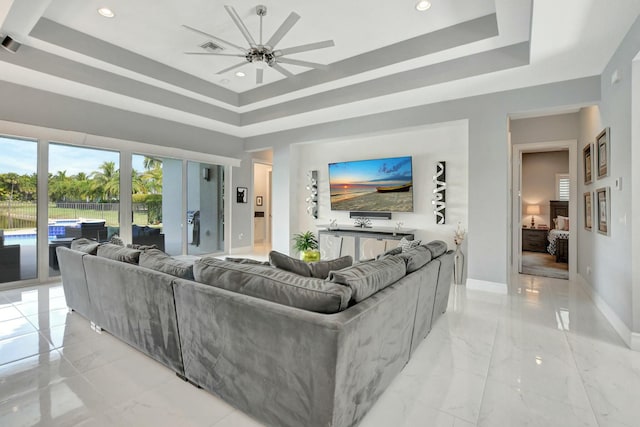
<point>559,234</point>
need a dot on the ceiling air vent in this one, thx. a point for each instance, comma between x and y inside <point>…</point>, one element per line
<point>212,47</point>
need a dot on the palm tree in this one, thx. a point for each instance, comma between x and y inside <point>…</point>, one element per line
<point>59,186</point>
<point>152,179</point>
<point>151,162</point>
<point>106,181</point>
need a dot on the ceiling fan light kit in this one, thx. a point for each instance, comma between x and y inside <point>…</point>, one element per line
<point>261,54</point>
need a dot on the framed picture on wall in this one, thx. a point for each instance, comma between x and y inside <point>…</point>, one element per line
<point>603,210</point>
<point>588,211</point>
<point>602,148</point>
<point>587,163</point>
<point>241,195</point>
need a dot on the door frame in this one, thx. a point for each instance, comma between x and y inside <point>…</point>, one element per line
<point>516,209</point>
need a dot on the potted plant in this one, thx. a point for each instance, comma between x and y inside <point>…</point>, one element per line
<point>307,245</point>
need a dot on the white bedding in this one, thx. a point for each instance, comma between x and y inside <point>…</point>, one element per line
<point>553,236</point>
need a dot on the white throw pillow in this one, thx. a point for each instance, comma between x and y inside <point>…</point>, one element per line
<point>408,244</point>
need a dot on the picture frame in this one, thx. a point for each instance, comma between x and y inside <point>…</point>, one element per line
<point>258,200</point>
<point>241,195</point>
<point>602,150</point>
<point>587,162</point>
<point>603,210</point>
<point>588,211</point>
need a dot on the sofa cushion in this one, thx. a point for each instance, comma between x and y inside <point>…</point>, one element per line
<point>272,284</point>
<point>437,248</point>
<point>157,260</point>
<point>118,253</point>
<point>367,278</point>
<point>318,269</point>
<point>85,245</point>
<point>247,261</point>
<point>415,258</point>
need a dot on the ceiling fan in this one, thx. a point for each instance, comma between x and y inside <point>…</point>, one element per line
<point>264,54</point>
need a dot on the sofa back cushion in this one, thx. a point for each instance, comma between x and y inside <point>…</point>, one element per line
<point>415,258</point>
<point>273,284</point>
<point>118,253</point>
<point>247,261</point>
<point>318,269</point>
<point>85,245</point>
<point>437,248</point>
<point>367,278</point>
<point>155,259</point>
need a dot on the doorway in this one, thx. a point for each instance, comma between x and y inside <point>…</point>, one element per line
<point>262,207</point>
<point>544,207</point>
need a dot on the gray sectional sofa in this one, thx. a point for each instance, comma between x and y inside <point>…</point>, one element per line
<point>287,349</point>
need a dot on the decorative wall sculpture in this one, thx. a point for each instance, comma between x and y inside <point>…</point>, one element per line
<point>440,192</point>
<point>312,200</point>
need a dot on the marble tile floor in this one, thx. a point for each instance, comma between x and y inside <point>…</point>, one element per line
<point>541,356</point>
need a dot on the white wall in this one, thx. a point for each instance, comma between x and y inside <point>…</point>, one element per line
<point>260,188</point>
<point>539,172</point>
<point>427,145</point>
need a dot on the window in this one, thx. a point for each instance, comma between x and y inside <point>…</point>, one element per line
<point>563,186</point>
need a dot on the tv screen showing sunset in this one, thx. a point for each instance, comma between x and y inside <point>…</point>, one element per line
<point>381,185</point>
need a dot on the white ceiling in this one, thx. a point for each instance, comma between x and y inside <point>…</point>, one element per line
<point>386,56</point>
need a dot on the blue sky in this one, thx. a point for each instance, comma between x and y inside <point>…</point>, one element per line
<point>397,169</point>
<point>19,156</point>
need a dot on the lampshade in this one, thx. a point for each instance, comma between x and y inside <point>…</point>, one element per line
<point>533,209</point>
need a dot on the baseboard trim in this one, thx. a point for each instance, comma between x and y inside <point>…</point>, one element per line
<point>631,339</point>
<point>486,286</point>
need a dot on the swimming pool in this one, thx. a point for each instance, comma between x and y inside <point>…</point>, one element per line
<point>28,236</point>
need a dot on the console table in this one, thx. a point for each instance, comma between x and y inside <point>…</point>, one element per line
<point>360,243</point>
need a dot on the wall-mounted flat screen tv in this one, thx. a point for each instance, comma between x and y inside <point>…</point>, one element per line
<point>378,185</point>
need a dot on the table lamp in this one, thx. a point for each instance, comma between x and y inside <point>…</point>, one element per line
<point>533,210</point>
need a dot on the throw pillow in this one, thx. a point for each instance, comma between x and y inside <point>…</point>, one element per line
<point>118,253</point>
<point>321,269</point>
<point>408,244</point>
<point>247,261</point>
<point>562,223</point>
<point>155,259</point>
<point>85,245</point>
<point>285,262</point>
<point>116,240</point>
<point>395,251</point>
<point>141,247</point>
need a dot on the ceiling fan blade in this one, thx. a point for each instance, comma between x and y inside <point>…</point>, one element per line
<point>232,67</point>
<point>283,30</point>
<point>304,48</point>
<point>243,29</point>
<point>259,76</point>
<point>303,63</point>
<point>282,70</point>
<point>214,53</point>
<point>218,39</point>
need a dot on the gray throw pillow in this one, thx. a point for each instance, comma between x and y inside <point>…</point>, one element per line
<point>247,261</point>
<point>155,259</point>
<point>437,248</point>
<point>85,245</point>
<point>272,284</point>
<point>318,269</point>
<point>118,253</point>
<point>367,278</point>
<point>395,251</point>
<point>285,262</point>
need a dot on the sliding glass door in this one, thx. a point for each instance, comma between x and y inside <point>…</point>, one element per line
<point>84,196</point>
<point>157,203</point>
<point>205,208</point>
<point>18,209</point>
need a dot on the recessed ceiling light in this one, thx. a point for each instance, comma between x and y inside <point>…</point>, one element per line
<point>423,5</point>
<point>240,74</point>
<point>225,81</point>
<point>106,12</point>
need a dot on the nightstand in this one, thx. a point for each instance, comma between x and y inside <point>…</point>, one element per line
<point>534,240</point>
